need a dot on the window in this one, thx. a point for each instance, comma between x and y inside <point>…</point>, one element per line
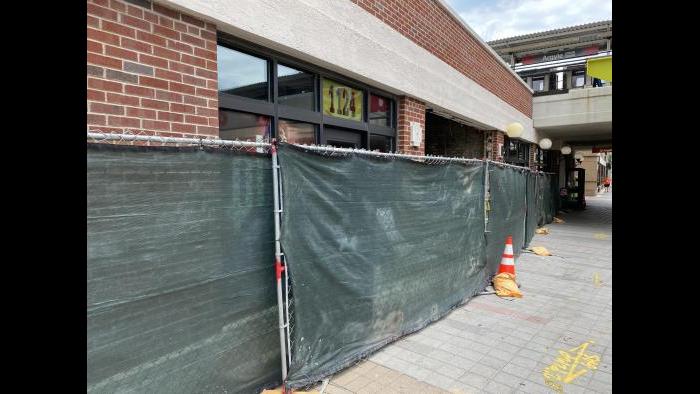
<point>241,74</point>
<point>295,132</point>
<point>516,152</point>
<point>380,143</point>
<point>578,79</point>
<point>242,126</point>
<point>538,84</point>
<point>560,80</point>
<point>266,95</point>
<point>379,110</point>
<point>295,88</point>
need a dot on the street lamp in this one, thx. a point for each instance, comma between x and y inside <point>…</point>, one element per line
<point>514,130</point>
<point>565,150</point>
<point>545,143</point>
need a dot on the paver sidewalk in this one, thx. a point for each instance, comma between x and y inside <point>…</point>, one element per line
<point>498,345</point>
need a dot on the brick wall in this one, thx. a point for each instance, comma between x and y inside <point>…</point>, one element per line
<point>409,110</point>
<point>497,141</point>
<point>432,27</point>
<point>444,137</point>
<point>533,153</point>
<point>150,70</point>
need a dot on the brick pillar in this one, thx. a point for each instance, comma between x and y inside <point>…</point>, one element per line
<point>497,140</point>
<point>533,151</point>
<point>410,110</point>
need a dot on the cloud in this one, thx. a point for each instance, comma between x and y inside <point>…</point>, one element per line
<point>497,19</point>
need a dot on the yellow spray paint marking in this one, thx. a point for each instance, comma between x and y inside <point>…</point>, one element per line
<point>596,280</point>
<point>600,236</point>
<point>570,365</point>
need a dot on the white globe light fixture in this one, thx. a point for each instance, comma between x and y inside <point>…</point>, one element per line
<point>578,156</point>
<point>545,143</point>
<point>514,130</point>
<point>565,150</point>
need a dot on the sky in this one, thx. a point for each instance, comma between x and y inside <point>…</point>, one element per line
<point>495,19</point>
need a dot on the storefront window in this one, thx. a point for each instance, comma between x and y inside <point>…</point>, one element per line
<point>379,110</point>
<point>380,143</point>
<point>538,84</point>
<point>242,126</point>
<point>296,132</point>
<point>295,88</point>
<point>241,74</point>
<point>578,79</point>
<point>343,138</point>
<point>342,101</point>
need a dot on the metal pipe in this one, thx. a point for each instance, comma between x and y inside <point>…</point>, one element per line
<point>174,140</point>
<point>278,262</point>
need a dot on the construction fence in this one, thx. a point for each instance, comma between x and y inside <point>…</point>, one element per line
<point>180,259</point>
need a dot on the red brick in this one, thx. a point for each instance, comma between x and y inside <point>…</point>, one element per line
<point>123,122</point>
<point>165,74</point>
<point>95,95</point>
<point>211,65</point>
<point>207,93</point>
<point>101,84</point>
<point>188,79</point>
<point>136,45</point>
<point>166,11</point>
<point>141,113</point>
<point>166,22</point>
<point>150,16</point>
<point>93,46</point>
<point>195,61</point>
<point>121,53</point>
<point>154,124</point>
<point>135,22</point>
<point>178,46</point>
<point>207,35</point>
<point>117,5</point>
<point>181,27</point>
<point>213,103</point>
<point>92,21</point>
<point>183,127</point>
<point>211,45</point>
<point>193,30</point>
<point>194,100</point>
<point>213,121</point>
<point>153,61</point>
<point>152,82</point>
<point>192,21</point>
<point>182,68</point>
<point>148,103</point>
<point>165,32</point>
<point>101,36</point>
<point>150,38</point>
<point>196,119</point>
<point>214,131</point>
<point>211,27</point>
<point>97,119</point>
<point>200,72</point>
<point>212,85</point>
<point>192,40</point>
<point>170,116</point>
<point>205,54</point>
<point>118,29</point>
<point>182,108</point>
<point>168,95</point>
<point>207,112</point>
<point>106,109</point>
<point>134,11</point>
<point>139,91</point>
<point>102,12</point>
<point>103,3</point>
<point>166,53</point>
<point>182,88</point>
<point>122,99</point>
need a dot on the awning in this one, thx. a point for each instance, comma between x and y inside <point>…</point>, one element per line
<point>600,67</point>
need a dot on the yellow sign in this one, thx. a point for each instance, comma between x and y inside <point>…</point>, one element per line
<point>570,365</point>
<point>342,101</point>
<point>600,68</point>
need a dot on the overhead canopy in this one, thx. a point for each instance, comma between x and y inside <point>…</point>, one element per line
<point>600,68</point>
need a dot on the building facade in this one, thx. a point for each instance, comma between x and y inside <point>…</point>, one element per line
<point>405,76</point>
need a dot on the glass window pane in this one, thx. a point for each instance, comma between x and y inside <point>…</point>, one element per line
<point>342,138</point>
<point>379,110</point>
<point>295,88</point>
<point>242,74</point>
<point>380,143</point>
<point>538,84</point>
<point>342,101</point>
<point>242,126</point>
<point>296,132</point>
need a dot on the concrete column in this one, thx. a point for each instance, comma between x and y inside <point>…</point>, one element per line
<point>410,110</point>
<point>529,81</point>
<point>589,81</point>
<point>567,79</point>
<point>546,82</point>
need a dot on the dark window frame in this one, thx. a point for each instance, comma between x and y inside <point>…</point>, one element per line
<point>316,117</point>
<point>521,157</point>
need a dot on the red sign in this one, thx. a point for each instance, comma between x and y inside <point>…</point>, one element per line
<point>602,149</point>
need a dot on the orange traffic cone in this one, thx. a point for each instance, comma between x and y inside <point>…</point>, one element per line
<point>508,260</point>
<point>504,282</point>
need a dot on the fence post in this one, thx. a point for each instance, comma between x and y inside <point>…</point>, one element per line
<point>278,261</point>
<point>487,196</point>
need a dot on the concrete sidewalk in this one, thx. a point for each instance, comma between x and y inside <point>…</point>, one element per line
<point>498,345</point>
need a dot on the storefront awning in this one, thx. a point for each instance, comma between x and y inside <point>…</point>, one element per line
<point>600,68</point>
